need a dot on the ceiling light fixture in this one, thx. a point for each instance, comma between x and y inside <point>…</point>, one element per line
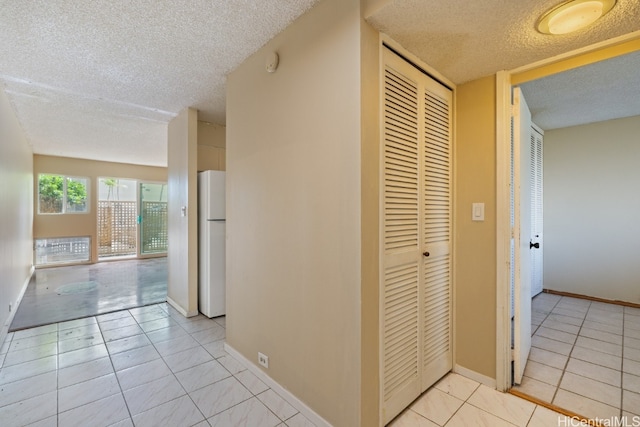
<point>573,15</point>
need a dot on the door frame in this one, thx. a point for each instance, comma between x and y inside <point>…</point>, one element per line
<point>504,81</point>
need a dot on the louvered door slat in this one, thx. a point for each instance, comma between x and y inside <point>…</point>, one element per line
<point>401,327</point>
<point>437,327</point>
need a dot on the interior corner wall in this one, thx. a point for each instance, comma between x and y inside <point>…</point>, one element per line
<point>370,290</point>
<point>182,288</point>
<point>475,242</point>
<point>16,212</point>
<point>591,207</point>
<point>371,6</point>
<point>293,210</point>
<point>212,141</point>
<point>83,224</point>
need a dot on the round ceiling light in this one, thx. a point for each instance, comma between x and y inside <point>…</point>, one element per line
<point>573,15</point>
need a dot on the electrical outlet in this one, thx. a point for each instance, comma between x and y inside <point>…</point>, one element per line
<point>263,359</point>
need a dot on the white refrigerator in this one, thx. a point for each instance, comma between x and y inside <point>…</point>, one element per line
<point>211,243</point>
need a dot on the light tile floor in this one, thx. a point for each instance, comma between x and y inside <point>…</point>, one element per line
<point>150,366</point>
<point>146,366</point>
<point>585,357</point>
<point>458,401</point>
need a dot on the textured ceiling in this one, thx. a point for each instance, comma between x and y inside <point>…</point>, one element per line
<point>100,79</point>
<point>602,91</point>
<point>465,40</point>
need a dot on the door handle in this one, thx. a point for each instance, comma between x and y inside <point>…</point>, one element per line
<point>425,253</point>
<point>534,245</point>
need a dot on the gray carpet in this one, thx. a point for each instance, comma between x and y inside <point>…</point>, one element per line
<point>66,293</point>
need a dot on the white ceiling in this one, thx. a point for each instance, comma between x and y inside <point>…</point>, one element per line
<point>101,79</point>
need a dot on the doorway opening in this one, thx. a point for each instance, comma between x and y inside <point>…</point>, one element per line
<point>132,218</point>
<point>117,218</point>
<point>582,356</point>
<point>153,218</point>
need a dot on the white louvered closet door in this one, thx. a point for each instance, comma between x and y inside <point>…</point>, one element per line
<point>536,211</point>
<point>416,283</point>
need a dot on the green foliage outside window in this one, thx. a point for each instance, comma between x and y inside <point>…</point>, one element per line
<point>51,190</point>
<point>76,195</point>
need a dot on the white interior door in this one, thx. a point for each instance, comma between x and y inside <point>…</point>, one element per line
<point>522,232</point>
<point>536,210</point>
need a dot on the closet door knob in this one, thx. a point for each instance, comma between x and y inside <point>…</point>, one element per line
<point>426,253</point>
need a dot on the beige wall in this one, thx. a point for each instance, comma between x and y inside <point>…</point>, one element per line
<point>83,224</point>
<point>212,141</point>
<point>16,212</point>
<point>182,289</point>
<point>370,208</point>
<point>293,210</point>
<point>591,207</point>
<point>475,242</point>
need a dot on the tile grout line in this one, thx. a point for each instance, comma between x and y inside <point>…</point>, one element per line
<point>138,323</point>
<point>231,375</point>
<point>463,402</point>
<point>495,415</point>
<point>538,327</point>
<point>564,370</point>
<point>115,374</point>
<point>550,405</point>
<point>188,394</point>
<point>165,314</point>
<point>242,384</point>
<point>546,316</point>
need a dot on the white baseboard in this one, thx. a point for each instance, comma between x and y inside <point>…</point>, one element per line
<point>473,375</point>
<point>7,324</point>
<point>309,413</point>
<point>181,310</point>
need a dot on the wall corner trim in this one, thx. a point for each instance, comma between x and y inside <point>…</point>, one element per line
<point>280,390</point>
<point>182,311</point>
<point>5,328</point>
<point>476,376</point>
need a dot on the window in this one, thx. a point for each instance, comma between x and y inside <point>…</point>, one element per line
<point>62,250</point>
<point>62,194</point>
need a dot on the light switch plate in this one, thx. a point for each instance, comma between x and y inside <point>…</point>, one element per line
<point>477,212</point>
